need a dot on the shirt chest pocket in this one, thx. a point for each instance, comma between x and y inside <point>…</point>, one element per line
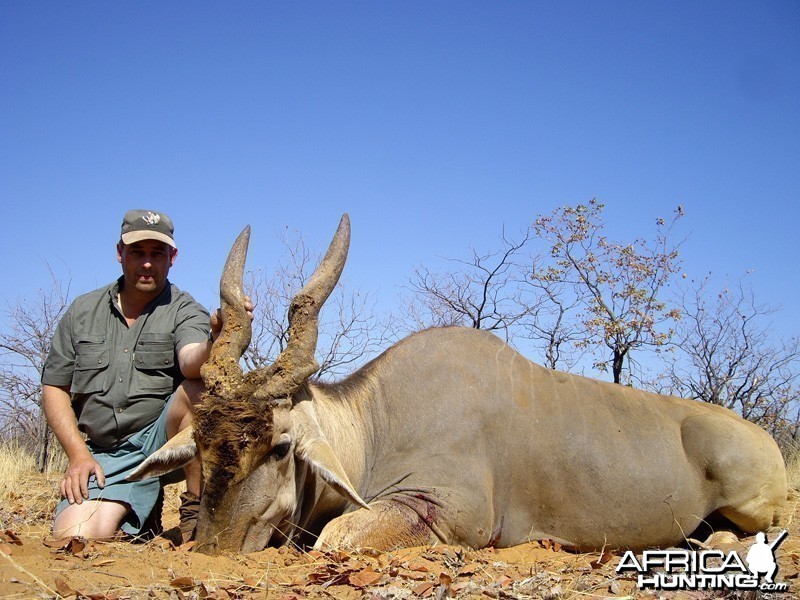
<point>154,363</point>
<point>91,365</point>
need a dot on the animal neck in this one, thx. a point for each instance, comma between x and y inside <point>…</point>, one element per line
<point>344,427</point>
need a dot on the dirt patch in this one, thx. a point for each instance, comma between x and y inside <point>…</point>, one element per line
<point>33,567</point>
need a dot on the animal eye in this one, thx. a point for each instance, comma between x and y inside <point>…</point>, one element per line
<point>281,450</point>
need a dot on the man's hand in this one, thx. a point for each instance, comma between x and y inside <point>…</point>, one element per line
<point>216,317</point>
<point>57,407</point>
<point>75,483</point>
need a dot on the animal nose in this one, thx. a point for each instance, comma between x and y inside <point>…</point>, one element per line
<point>206,547</point>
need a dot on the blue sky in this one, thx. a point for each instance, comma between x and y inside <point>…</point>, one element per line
<point>433,124</point>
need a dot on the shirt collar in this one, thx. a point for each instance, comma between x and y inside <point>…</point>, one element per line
<point>116,287</point>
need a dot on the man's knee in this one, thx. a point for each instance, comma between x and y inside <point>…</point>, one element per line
<point>181,406</point>
<point>189,391</point>
<point>91,519</point>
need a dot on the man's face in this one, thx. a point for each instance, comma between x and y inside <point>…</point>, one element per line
<point>145,264</point>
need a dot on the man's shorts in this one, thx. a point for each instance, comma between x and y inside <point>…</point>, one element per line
<point>117,463</point>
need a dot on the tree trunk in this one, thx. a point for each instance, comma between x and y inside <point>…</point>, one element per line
<point>42,443</point>
<point>616,366</point>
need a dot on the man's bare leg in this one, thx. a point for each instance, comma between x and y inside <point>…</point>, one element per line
<point>90,519</point>
<point>180,413</point>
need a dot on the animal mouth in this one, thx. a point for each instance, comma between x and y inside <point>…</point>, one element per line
<point>258,536</point>
<point>255,539</point>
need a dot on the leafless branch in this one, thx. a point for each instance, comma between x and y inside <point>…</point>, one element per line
<point>24,344</point>
<point>727,354</point>
<point>349,332</point>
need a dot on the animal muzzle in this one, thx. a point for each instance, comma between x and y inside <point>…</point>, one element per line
<point>239,533</point>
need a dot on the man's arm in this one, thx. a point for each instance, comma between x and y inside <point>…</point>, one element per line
<point>57,406</point>
<point>192,356</point>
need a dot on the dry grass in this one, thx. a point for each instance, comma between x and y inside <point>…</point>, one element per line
<point>27,497</point>
<point>792,457</point>
<point>15,464</point>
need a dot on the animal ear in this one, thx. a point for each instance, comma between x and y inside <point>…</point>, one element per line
<point>324,463</point>
<point>312,448</point>
<point>177,452</point>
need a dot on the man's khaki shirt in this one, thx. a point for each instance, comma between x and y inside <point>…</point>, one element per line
<point>120,377</point>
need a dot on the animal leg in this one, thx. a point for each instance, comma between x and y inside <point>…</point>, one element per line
<point>742,465</point>
<point>757,514</point>
<point>387,525</point>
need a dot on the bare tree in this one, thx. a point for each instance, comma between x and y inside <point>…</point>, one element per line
<point>23,349</point>
<point>349,332</point>
<point>552,325</point>
<point>619,285</point>
<point>727,354</point>
<point>484,292</point>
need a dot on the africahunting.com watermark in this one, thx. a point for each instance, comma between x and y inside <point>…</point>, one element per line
<point>676,569</point>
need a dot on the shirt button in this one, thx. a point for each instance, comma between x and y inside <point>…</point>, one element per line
<point>99,361</point>
<point>124,349</point>
<point>120,409</point>
<point>120,379</point>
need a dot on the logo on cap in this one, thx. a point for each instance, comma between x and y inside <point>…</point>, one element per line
<point>151,218</point>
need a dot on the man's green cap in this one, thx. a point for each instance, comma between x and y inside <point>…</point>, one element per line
<point>141,225</point>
